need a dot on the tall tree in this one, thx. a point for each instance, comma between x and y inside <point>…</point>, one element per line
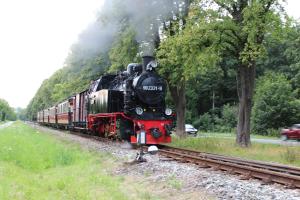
<point>172,67</point>
<point>6,112</point>
<point>245,23</point>
<point>182,56</point>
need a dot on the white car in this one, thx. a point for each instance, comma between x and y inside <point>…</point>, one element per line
<point>190,129</point>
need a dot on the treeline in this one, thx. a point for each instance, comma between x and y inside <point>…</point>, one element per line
<point>210,52</point>
<point>74,77</point>
<point>276,102</point>
<point>6,112</point>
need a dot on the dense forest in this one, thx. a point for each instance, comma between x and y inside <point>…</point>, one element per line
<point>230,66</point>
<point>6,112</point>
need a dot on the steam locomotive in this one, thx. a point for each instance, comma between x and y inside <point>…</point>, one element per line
<point>129,105</point>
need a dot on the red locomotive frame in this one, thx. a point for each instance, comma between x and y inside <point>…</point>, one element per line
<point>145,125</point>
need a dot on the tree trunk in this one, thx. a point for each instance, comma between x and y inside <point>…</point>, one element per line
<point>246,79</point>
<point>178,95</point>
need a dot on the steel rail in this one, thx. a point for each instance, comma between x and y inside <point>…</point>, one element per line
<point>267,172</point>
<point>271,166</point>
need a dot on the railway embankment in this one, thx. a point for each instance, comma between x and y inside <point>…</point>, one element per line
<point>169,179</point>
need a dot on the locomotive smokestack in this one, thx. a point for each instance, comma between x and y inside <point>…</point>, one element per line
<point>146,60</point>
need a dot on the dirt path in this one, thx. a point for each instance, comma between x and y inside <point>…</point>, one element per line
<point>7,124</point>
<point>263,141</point>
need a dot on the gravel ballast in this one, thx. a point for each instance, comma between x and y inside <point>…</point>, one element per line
<point>196,183</point>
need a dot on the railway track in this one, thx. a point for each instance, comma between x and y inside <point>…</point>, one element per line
<point>267,172</point>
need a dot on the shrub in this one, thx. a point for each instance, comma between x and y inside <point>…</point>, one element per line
<point>228,120</point>
<point>275,105</point>
<point>197,123</point>
<point>211,121</point>
<point>273,132</point>
<point>188,116</point>
<point>206,122</point>
<point>229,116</point>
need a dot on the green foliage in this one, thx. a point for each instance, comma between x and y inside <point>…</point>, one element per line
<point>21,113</point>
<point>219,120</point>
<point>292,57</point>
<point>283,53</point>
<point>197,123</point>
<point>243,26</point>
<point>273,132</point>
<point>229,117</point>
<point>6,112</point>
<point>204,123</point>
<point>124,50</point>
<point>275,105</point>
<point>215,86</point>
<point>182,56</point>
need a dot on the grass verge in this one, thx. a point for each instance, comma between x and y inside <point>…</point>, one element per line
<point>224,146</point>
<point>38,166</point>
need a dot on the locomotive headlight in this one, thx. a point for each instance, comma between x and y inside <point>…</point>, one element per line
<point>139,110</point>
<point>168,111</point>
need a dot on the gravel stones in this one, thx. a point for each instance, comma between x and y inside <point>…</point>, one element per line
<point>185,178</point>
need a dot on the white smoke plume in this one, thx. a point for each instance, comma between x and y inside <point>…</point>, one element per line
<point>145,16</point>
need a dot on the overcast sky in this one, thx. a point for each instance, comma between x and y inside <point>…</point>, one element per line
<point>35,37</point>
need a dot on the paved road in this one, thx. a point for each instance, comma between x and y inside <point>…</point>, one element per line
<point>5,125</point>
<point>274,141</point>
<point>266,141</point>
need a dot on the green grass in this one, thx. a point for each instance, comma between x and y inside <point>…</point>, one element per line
<point>227,146</point>
<point>174,182</point>
<point>36,166</point>
<point>2,122</point>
